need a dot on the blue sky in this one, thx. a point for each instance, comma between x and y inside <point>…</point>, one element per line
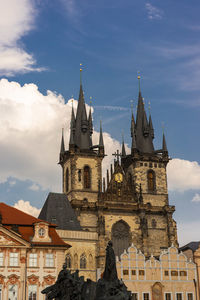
<point>42,44</point>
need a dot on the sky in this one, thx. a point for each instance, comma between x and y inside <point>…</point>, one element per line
<point>42,44</point>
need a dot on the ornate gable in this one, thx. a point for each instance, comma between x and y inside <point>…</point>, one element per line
<point>7,238</point>
<point>120,187</point>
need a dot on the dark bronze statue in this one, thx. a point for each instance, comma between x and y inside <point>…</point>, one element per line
<point>70,286</point>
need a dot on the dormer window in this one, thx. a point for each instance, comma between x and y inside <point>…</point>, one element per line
<point>41,232</point>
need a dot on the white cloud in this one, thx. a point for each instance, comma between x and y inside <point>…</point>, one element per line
<point>26,207</point>
<point>34,187</point>
<point>196,198</point>
<point>16,20</point>
<point>153,12</point>
<point>183,175</point>
<point>31,132</point>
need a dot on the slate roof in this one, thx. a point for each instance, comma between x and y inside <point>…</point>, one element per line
<point>24,223</point>
<point>192,245</point>
<point>57,209</point>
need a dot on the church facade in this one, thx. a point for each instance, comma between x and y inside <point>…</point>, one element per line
<point>130,206</point>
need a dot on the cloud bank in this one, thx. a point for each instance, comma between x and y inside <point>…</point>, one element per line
<point>31,124</point>
<point>17,18</point>
<point>26,207</point>
<point>183,175</point>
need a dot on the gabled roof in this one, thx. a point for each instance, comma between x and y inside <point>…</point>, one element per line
<point>57,209</point>
<point>12,216</point>
<point>192,246</point>
<point>25,226</point>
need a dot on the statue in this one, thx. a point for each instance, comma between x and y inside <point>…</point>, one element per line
<point>110,287</point>
<point>70,286</point>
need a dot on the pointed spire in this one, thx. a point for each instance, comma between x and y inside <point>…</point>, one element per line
<point>151,129</point>
<point>132,120</point>
<point>82,133</point>
<point>143,138</point>
<point>62,146</point>
<point>101,143</point>
<point>164,144</point>
<point>72,127</point>
<point>123,147</point>
<point>90,119</point>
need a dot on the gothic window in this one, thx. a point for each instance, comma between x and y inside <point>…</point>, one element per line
<point>79,175</point>
<point>151,180</point>
<point>87,180</point>
<point>67,180</point>
<point>91,261</point>
<point>75,261</point>
<point>83,262</point>
<point>153,223</point>
<point>120,237</point>
<point>68,261</point>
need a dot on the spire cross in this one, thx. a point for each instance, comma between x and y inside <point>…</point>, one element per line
<point>118,155</point>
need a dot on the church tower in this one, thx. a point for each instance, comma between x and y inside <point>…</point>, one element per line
<point>81,164</point>
<point>131,205</point>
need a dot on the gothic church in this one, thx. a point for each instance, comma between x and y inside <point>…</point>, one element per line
<point>130,206</point>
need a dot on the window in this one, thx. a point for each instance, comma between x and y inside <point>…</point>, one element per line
<point>67,179</point>
<point>183,273</point>
<point>13,259</point>
<point>166,273</point>
<point>178,296</point>
<point>1,260</point>
<point>83,262</point>
<point>174,273</point>
<point>151,180</point>
<point>41,232</point>
<point>68,261</point>
<point>133,272</point>
<point>33,260</point>
<point>189,296</point>
<point>134,296</point>
<point>125,272</point>
<point>167,296</point>
<point>145,296</point>
<point>0,292</point>
<point>87,177</point>
<point>32,292</point>
<point>79,175</point>
<point>141,272</point>
<point>12,292</point>
<point>49,260</point>
<point>153,223</point>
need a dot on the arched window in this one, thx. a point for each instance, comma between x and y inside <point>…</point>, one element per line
<point>120,237</point>
<point>67,180</point>
<point>75,261</point>
<point>83,262</point>
<point>87,180</point>
<point>68,261</point>
<point>153,223</point>
<point>151,180</point>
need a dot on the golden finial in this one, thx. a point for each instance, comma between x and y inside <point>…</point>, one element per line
<point>90,100</point>
<point>81,69</point>
<point>139,79</point>
<point>143,100</point>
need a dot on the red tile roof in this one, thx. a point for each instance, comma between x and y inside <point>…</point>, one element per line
<point>12,216</point>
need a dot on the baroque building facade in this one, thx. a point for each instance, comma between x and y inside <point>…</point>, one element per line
<point>31,255</point>
<point>130,206</point>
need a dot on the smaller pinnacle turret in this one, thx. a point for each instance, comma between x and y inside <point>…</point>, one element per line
<point>101,143</point>
<point>123,148</point>
<point>90,122</point>
<point>151,129</point>
<point>164,144</point>
<point>62,146</point>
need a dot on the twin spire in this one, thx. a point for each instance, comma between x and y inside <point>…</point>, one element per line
<point>142,131</point>
<point>81,128</point>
